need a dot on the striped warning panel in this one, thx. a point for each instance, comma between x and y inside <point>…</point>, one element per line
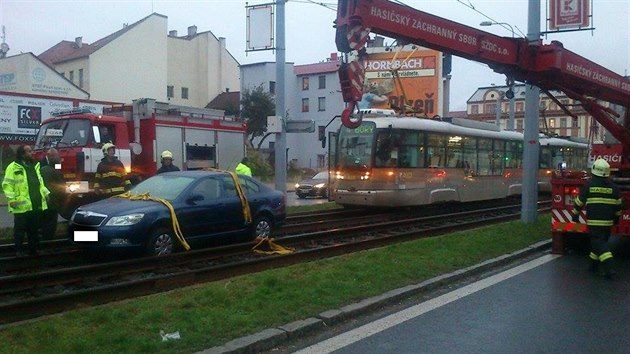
<point>561,221</point>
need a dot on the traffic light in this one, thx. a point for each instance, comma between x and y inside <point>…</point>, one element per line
<point>321,135</point>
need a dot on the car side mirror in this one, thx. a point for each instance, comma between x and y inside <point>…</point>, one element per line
<point>195,198</point>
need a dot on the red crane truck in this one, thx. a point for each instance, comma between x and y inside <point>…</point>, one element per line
<point>551,67</point>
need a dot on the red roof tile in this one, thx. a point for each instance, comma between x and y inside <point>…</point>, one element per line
<point>317,68</point>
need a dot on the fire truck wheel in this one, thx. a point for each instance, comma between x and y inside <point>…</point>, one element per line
<point>161,242</point>
<point>262,227</point>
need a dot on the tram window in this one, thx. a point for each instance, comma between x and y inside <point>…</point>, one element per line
<point>545,157</point>
<point>469,162</point>
<point>498,157</point>
<point>513,154</point>
<point>436,150</point>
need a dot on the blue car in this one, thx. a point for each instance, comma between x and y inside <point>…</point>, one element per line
<point>207,206</point>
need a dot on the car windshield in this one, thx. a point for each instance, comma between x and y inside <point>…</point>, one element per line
<point>321,175</point>
<point>163,186</point>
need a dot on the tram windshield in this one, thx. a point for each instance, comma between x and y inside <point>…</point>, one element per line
<point>355,145</point>
<point>64,132</point>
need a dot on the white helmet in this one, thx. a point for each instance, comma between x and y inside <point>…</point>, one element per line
<point>106,147</point>
<point>601,168</point>
<point>167,154</point>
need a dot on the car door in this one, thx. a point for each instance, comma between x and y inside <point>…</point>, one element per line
<point>202,214</point>
<point>233,218</point>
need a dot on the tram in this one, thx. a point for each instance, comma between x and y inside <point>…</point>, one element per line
<point>391,161</point>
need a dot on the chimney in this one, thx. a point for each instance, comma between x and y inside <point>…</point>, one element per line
<point>172,33</point>
<point>333,57</point>
<point>78,42</point>
<point>227,90</point>
<point>192,30</point>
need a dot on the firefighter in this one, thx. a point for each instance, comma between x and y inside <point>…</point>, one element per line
<point>242,168</point>
<point>26,197</point>
<point>111,177</point>
<point>603,207</point>
<point>167,162</point>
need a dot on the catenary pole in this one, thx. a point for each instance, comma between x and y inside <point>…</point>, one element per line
<point>530,146</point>
<point>281,138</point>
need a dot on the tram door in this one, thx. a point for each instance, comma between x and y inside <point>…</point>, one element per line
<point>332,164</point>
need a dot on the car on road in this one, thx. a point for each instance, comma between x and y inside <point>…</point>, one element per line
<point>207,206</point>
<point>316,186</point>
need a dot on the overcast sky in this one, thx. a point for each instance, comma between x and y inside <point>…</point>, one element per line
<point>36,25</point>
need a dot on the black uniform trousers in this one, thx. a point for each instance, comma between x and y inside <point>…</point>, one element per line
<point>599,236</point>
<point>28,223</point>
<point>49,223</point>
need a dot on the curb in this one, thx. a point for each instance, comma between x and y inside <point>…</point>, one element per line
<point>271,338</point>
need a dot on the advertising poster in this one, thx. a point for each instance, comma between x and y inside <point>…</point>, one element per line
<point>21,116</point>
<point>410,78</point>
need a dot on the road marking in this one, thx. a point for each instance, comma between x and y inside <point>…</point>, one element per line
<point>384,323</point>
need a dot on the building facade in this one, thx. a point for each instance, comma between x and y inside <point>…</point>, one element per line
<point>489,104</point>
<point>143,60</point>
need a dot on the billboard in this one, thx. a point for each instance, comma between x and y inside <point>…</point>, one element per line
<point>22,114</point>
<point>568,14</point>
<point>410,78</point>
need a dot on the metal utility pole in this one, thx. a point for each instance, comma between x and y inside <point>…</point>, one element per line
<point>281,138</point>
<point>530,146</point>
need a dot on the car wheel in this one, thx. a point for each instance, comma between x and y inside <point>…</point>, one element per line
<point>302,196</point>
<point>161,242</point>
<point>262,227</point>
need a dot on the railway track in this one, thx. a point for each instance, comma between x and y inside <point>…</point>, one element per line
<point>31,295</point>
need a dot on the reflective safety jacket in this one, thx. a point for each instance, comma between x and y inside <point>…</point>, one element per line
<point>242,169</point>
<point>602,200</point>
<point>16,188</point>
<point>111,177</point>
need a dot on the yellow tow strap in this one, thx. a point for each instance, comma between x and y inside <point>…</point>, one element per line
<point>273,248</point>
<point>175,222</point>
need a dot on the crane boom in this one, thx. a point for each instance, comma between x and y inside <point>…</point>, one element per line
<point>550,66</point>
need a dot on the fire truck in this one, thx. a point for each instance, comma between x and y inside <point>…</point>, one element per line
<point>604,94</point>
<point>140,133</point>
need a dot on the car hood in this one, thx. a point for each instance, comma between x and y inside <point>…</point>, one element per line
<point>122,206</point>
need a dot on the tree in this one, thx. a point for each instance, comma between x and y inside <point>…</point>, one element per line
<point>257,104</point>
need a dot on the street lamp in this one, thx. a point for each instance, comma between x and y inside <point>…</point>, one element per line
<point>510,93</point>
<point>503,24</point>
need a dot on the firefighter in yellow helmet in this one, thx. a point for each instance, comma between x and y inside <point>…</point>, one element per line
<point>603,204</point>
<point>111,177</point>
<point>166,158</point>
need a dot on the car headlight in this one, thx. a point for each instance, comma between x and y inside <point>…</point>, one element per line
<point>125,220</point>
<point>319,185</point>
<point>297,185</point>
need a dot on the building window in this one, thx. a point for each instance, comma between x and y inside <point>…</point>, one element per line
<point>563,122</point>
<point>474,109</point>
<point>490,108</point>
<point>519,106</point>
<point>185,92</point>
<point>519,124</point>
<point>552,123</point>
<point>305,105</point>
<point>71,78</point>
<point>272,87</point>
<point>321,104</point>
<point>305,83</point>
<point>321,161</point>
<point>170,91</point>
<point>322,81</point>
<point>574,122</point>
<point>80,77</point>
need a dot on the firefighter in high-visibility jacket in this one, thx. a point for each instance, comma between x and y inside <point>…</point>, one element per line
<point>603,204</point>
<point>111,177</point>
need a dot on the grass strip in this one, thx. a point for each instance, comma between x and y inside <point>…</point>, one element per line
<point>211,314</point>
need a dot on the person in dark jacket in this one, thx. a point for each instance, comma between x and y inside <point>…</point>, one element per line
<point>167,162</point>
<point>111,177</point>
<point>26,196</point>
<point>603,204</point>
<point>53,179</point>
